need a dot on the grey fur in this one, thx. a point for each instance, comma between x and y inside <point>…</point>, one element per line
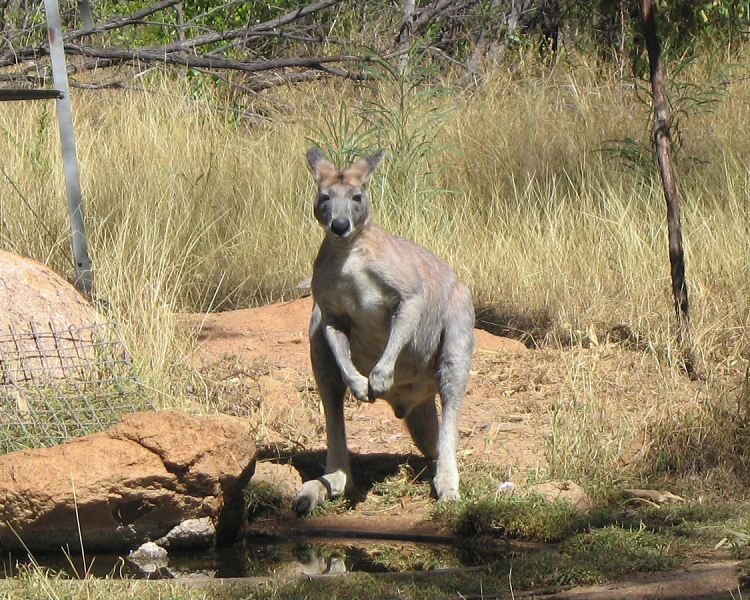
<point>391,320</point>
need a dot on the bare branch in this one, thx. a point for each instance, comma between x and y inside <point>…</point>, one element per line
<point>119,22</point>
<point>429,12</point>
<point>115,55</point>
<point>14,56</point>
<point>167,52</point>
<point>250,33</point>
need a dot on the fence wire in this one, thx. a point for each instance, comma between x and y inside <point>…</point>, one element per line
<point>59,384</point>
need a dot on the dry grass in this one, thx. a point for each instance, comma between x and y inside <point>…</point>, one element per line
<point>569,233</point>
<point>190,208</point>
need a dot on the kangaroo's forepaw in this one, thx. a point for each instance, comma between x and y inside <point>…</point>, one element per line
<point>360,388</point>
<point>381,381</point>
<point>310,495</point>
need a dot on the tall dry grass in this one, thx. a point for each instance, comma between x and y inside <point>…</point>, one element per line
<point>186,210</point>
<point>190,208</point>
<point>572,233</point>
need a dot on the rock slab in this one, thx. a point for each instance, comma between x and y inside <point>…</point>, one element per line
<point>128,485</point>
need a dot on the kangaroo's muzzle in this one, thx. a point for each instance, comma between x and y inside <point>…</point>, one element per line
<point>340,227</point>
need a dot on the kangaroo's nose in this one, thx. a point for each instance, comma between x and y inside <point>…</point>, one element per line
<point>339,226</point>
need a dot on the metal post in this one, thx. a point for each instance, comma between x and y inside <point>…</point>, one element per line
<point>70,162</point>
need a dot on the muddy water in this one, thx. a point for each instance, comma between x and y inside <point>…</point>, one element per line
<point>260,556</point>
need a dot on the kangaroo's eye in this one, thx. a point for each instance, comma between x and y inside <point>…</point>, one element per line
<point>357,197</point>
<point>323,198</point>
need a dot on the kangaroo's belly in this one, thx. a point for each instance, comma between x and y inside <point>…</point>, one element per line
<point>369,306</point>
<point>415,375</point>
<point>406,394</point>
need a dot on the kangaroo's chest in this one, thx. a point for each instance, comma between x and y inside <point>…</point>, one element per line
<point>351,288</point>
<point>363,297</point>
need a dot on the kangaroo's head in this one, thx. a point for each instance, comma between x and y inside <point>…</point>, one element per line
<point>342,206</point>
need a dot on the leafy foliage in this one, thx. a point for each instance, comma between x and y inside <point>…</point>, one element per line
<point>613,29</point>
<point>447,38</point>
<point>405,114</point>
<point>688,99</point>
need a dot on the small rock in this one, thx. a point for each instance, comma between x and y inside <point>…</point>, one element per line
<point>148,552</point>
<point>285,479</point>
<point>192,534</point>
<point>150,560</point>
<point>564,490</point>
<point>337,566</point>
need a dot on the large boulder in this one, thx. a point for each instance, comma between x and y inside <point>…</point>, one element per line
<point>133,483</point>
<point>32,292</point>
<point>46,326</point>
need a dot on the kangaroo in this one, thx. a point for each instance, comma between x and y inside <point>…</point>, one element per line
<point>390,320</point>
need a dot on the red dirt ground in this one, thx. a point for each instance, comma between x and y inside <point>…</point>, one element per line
<point>255,365</point>
<point>505,420</point>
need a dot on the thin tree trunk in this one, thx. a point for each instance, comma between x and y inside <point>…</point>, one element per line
<point>480,50</point>
<point>662,142</point>
<point>87,15</point>
<point>403,40</point>
<point>496,37</point>
<point>180,22</point>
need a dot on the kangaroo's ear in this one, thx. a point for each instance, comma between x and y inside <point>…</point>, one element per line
<point>322,168</point>
<point>365,166</point>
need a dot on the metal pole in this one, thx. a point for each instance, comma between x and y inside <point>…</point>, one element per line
<point>70,162</point>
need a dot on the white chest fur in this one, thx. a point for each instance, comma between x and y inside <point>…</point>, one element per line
<point>362,296</point>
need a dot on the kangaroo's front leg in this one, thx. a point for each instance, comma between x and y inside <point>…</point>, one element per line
<point>338,341</point>
<point>403,326</point>
<point>337,476</point>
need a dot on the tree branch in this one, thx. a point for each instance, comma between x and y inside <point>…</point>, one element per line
<point>117,55</point>
<point>249,34</point>
<point>119,22</point>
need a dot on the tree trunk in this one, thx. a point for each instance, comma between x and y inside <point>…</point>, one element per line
<point>87,15</point>
<point>403,40</point>
<point>662,143</point>
<point>180,22</point>
<point>495,38</point>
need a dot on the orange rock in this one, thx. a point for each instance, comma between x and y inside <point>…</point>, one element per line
<point>129,484</point>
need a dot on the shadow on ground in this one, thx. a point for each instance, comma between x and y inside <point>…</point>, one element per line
<point>538,327</point>
<point>367,469</point>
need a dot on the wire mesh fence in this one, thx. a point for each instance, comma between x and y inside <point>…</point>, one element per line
<point>56,384</point>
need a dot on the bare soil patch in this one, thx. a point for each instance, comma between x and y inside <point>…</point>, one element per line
<point>257,363</point>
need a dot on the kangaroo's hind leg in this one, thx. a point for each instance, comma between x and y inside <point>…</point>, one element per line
<point>453,375</point>
<point>422,423</point>
<point>332,390</point>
